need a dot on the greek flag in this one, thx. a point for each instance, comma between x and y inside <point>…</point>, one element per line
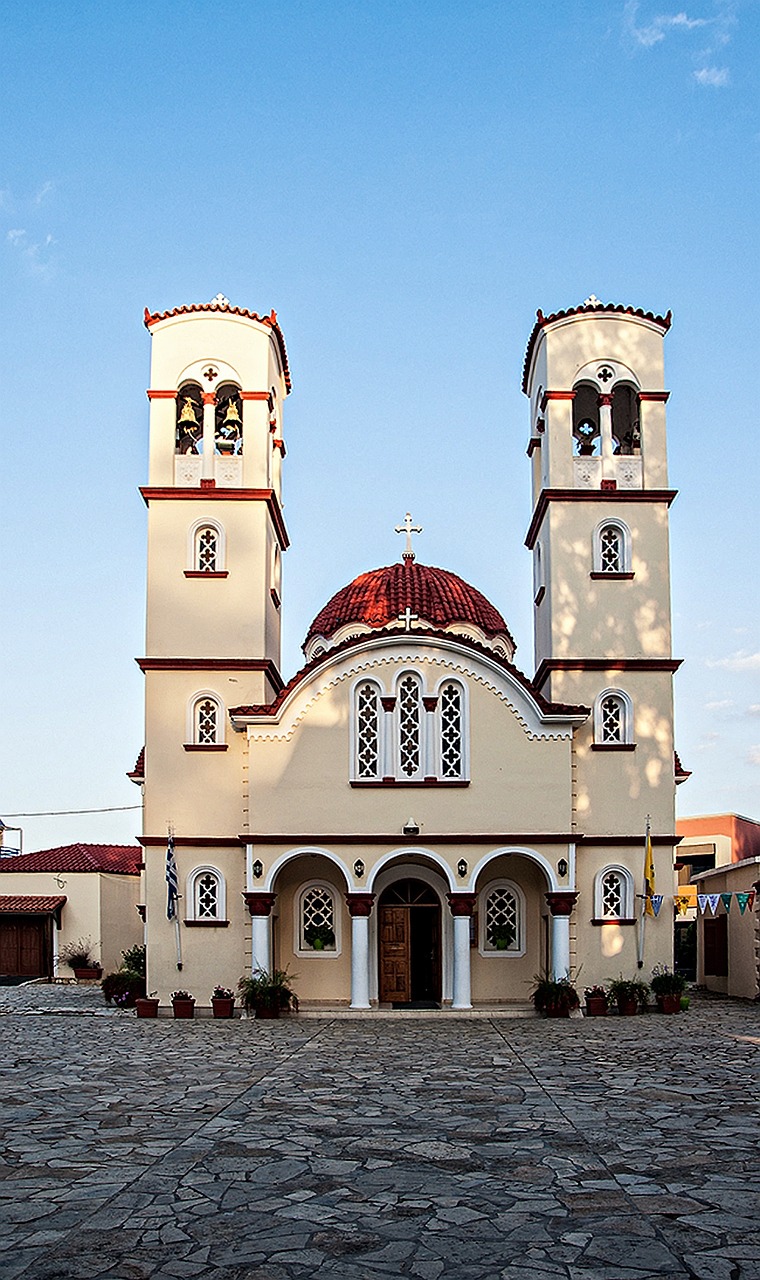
<point>171,879</point>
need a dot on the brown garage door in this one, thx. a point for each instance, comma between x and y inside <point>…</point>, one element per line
<point>26,949</point>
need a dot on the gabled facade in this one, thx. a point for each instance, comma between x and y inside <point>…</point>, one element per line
<point>410,819</point>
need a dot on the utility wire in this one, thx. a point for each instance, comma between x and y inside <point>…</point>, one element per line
<point>60,813</point>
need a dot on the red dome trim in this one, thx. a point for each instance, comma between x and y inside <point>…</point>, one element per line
<point>154,317</point>
<point>437,597</point>
<point>594,308</point>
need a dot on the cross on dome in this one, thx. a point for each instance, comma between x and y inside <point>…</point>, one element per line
<point>407,617</point>
<point>408,528</point>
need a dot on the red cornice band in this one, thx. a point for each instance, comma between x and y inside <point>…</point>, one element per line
<point>591,495</point>
<point>223,495</point>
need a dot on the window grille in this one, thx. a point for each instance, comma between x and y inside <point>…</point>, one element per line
<point>451,731</point>
<point>612,720</point>
<point>409,726</point>
<point>317,915</point>
<point>613,895</point>
<point>207,549</point>
<point>502,921</point>
<point>206,713</point>
<point>206,897</point>
<point>610,550</point>
<point>368,756</point>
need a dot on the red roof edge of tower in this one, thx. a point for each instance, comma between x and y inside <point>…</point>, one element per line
<point>155,317</point>
<point>594,308</point>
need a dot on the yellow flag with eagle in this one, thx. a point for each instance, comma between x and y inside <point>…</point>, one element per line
<point>648,874</point>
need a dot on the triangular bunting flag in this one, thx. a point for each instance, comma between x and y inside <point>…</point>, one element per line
<point>681,905</point>
<point>742,899</point>
<point>713,899</point>
<point>702,900</point>
<point>726,900</point>
<point>656,903</point>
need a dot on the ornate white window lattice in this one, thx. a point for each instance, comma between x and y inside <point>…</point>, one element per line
<point>610,550</point>
<point>612,719</point>
<point>206,550</point>
<point>613,894</point>
<point>409,726</point>
<point>451,731</point>
<point>317,920</point>
<point>207,896</point>
<point>368,732</point>
<point>207,719</point>
<point>502,923</point>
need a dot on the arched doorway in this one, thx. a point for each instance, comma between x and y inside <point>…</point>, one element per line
<point>409,944</point>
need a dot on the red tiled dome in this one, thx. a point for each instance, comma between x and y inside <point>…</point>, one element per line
<point>439,599</point>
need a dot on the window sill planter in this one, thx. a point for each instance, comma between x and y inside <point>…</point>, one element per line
<point>146,1007</point>
<point>183,1008</point>
<point>223,1008</point>
<point>91,973</point>
<point>669,1004</point>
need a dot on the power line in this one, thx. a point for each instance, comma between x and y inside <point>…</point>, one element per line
<point>61,813</point>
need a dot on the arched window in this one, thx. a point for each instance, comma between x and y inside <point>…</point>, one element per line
<point>612,548</point>
<point>317,920</point>
<point>367,731</point>
<point>206,548</point>
<point>228,420</point>
<point>502,914</point>
<point>189,420</point>
<point>409,727</point>
<point>206,897</point>
<point>613,719</point>
<point>586,419</point>
<point>613,894</point>
<point>206,721</point>
<point>452,742</point>
<point>626,432</point>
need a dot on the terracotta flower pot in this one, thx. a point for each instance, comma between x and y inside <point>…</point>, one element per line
<point>596,1007</point>
<point>92,973</point>
<point>627,1008</point>
<point>669,1003</point>
<point>267,1010</point>
<point>223,1007</point>
<point>146,1007</point>
<point>183,1008</point>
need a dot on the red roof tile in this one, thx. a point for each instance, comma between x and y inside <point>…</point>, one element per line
<point>436,596</point>
<point>28,904</point>
<point>153,317</point>
<point>118,859</point>
<point>137,774</point>
<point>593,308</point>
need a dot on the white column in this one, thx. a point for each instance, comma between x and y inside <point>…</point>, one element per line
<point>605,429</point>
<point>249,868</point>
<point>462,991</point>
<point>209,436</point>
<point>261,933</point>
<point>360,962</point>
<point>388,762</point>
<point>560,946</point>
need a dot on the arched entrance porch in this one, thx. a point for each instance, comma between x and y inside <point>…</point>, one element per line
<point>409,960</point>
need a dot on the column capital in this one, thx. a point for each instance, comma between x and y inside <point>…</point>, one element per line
<point>462,904</point>
<point>209,397</point>
<point>561,902</point>
<point>260,904</point>
<point>360,904</point>
<point>430,704</point>
<point>388,704</point>
<point>604,400</point>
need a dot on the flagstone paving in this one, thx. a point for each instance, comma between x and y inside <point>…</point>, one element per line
<point>595,1149</point>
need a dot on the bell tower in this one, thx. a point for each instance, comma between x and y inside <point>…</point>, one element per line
<point>216,533</point>
<point>600,544</point>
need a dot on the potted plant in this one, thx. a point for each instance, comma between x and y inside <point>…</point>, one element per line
<point>319,936</point>
<point>183,1004</point>
<point>629,994</point>
<point>268,994</point>
<point>223,1002</point>
<point>123,988</point>
<point>554,997</point>
<point>78,956</point>
<point>597,1003</point>
<point>501,936</point>
<point>668,987</point>
<point>147,1006</point>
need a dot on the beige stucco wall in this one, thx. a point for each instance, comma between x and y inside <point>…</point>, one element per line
<point>98,906</point>
<point>743,979</point>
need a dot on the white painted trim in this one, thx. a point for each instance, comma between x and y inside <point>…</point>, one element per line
<point>437,762</point>
<point>532,854</point>
<point>309,952</point>
<point>383,877</point>
<point>491,952</point>
<point>420,773</point>
<point>628,899</point>
<point>404,853</point>
<point>299,851</point>
<point>195,372</point>
<point>620,373</point>
<point>353,736</point>
<point>626,558</point>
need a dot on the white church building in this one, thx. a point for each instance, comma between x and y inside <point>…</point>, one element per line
<point>409,819</point>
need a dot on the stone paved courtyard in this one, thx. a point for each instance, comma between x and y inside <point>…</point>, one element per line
<point>603,1148</point>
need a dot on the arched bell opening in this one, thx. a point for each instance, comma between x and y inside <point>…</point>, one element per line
<point>586,430</point>
<point>228,420</point>
<point>626,430</point>
<point>189,421</point>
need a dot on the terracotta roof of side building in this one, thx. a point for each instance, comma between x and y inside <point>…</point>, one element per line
<point>117,859</point>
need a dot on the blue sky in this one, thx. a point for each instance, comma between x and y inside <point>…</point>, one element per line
<point>405,183</point>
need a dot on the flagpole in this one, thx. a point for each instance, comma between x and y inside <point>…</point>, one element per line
<point>172,893</point>
<point>643,913</point>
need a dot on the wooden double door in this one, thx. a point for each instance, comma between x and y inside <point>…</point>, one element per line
<point>26,946</point>
<point>409,961</point>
